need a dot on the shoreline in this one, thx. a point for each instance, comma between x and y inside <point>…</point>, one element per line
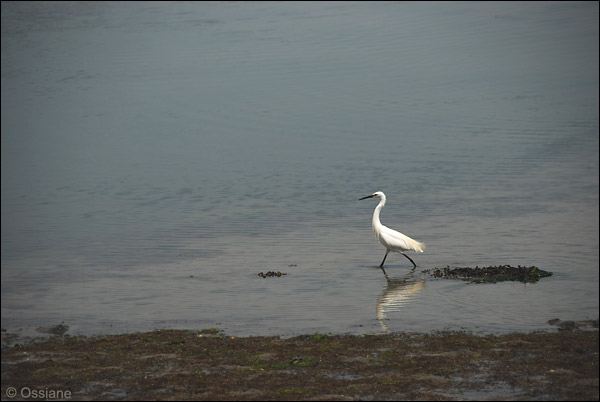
<point>209,365</point>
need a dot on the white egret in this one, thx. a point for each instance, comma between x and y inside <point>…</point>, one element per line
<point>392,240</point>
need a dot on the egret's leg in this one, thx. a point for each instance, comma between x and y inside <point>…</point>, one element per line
<point>414,265</point>
<point>386,253</point>
<point>385,273</point>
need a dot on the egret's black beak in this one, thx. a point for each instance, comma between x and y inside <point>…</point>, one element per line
<point>368,196</point>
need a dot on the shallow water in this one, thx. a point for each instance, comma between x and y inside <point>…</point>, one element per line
<point>156,157</point>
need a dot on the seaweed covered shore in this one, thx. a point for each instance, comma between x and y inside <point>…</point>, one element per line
<point>209,365</point>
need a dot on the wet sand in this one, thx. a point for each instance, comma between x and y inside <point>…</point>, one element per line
<point>209,365</point>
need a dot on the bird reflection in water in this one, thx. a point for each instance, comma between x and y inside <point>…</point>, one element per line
<point>398,293</point>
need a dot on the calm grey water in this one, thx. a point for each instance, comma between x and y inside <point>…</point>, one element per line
<point>157,156</point>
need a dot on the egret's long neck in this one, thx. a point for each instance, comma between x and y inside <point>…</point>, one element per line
<point>376,221</point>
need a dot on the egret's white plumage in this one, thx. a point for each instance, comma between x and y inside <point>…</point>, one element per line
<point>391,239</point>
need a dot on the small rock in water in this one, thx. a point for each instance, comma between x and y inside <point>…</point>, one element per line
<point>57,330</point>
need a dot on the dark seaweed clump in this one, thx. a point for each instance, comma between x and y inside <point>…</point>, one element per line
<point>493,274</point>
<point>271,274</point>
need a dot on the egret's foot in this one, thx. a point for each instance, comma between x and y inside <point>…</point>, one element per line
<point>384,273</point>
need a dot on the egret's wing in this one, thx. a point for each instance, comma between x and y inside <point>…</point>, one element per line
<point>396,241</point>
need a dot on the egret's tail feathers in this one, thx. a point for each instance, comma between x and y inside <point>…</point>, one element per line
<point>418,246</point>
